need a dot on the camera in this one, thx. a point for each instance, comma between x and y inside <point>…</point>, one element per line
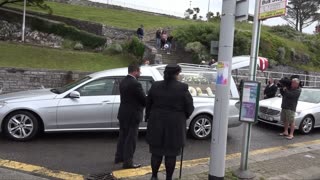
<point>284,82</point>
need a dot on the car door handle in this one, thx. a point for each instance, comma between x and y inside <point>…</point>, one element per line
<point>106,102</point>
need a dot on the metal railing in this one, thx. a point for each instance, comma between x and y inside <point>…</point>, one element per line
<point>308,80</point>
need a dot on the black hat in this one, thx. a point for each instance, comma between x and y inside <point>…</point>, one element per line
<point>172,69</point>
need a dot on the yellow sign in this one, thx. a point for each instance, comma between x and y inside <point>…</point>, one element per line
<point>272,8</point>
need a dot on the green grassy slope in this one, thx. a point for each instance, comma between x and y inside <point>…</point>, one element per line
<point>113,17</point>
<point>17,55</point>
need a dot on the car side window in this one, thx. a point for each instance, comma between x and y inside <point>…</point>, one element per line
<point>98,87</point>
<point>146,83</point>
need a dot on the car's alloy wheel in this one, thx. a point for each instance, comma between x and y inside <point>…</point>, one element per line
<point>21,126</point>
<point>306,125</point>
<point>201,127</point>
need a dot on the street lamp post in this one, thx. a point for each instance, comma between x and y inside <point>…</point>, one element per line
<point>208,10</point>
<point>24,19</point>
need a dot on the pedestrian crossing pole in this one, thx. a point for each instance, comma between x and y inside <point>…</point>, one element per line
<point>221,104</point>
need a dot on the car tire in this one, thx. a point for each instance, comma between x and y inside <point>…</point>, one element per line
<point>201,127</point>
<point>306,125</point>
<point>21,126</point>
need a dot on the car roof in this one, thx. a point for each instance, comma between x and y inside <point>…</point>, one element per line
<point>145,71</point>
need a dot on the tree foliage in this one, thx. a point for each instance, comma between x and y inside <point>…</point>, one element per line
<point>38,3</point>
<point>194,12</point>
<point>302,13</point>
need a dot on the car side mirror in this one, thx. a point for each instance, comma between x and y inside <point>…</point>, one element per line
<point>74,94</point>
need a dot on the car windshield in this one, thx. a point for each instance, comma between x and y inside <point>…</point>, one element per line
<point>310,95</point>
<point>70,85</point>
<point>201,81</point>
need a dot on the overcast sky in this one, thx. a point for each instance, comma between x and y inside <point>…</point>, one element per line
<point>178,7</point>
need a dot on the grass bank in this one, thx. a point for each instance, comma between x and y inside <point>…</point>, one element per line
<point>26,56</point>
<point>120,18</point>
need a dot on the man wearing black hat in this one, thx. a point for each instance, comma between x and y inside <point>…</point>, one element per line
<point>169,105</point>
<point>133,101</point>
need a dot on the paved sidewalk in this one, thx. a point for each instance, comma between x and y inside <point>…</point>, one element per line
<point>8,174</point>
<point>296,161</point>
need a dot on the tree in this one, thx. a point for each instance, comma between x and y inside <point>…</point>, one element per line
<point>38,3</point>
<point>209,15</point>
<point>194,12</point>
<point>302,13</point>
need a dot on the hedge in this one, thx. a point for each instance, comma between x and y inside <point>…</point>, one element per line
<point>68,32</point>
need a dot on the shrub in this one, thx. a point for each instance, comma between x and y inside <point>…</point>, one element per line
<point>135,47</point>
<point>69,32</point>
<point>68,44</point>
<point>198,50</point>
<point>242,43</point>
<point>78,46</point>
<point>113,49</point>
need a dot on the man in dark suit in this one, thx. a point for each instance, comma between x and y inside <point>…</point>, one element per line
<point>133,101</point>
<point>270,90</point>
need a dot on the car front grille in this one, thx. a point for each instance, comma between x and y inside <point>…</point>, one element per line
<point>269,111</point>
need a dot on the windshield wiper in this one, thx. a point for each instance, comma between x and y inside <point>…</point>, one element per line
<point>55,91</point>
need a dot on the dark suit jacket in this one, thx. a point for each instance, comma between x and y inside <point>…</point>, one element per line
<point>270,91</point>
<point>168,108</point>
<point>133,100</point>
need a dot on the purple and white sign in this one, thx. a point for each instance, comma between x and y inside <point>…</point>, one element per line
<point>249,101</point>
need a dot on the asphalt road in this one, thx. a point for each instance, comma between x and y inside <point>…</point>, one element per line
<point>89,153</point>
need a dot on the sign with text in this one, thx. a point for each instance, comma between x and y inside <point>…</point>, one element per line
<point>249,101</point>
<point>272,8</point>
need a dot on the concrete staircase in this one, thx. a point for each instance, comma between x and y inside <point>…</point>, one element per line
<point>177,55</point>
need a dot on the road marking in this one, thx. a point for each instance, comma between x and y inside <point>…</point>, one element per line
<point>126,173</point>
<point>39,170</point>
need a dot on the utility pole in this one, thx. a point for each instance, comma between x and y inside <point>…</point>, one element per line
<point>24,19</point>
<point>208,10</point>
<point>221,104</point>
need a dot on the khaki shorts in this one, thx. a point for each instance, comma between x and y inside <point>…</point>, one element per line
<point>287,115</point>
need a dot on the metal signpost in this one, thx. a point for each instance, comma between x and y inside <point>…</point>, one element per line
<point>263,9</point>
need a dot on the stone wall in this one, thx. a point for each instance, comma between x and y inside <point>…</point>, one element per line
<point>19,79</point>
<point>14,16</point>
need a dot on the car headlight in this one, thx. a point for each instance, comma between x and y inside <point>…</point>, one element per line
<point>297,113</point>
<point>2,104</point>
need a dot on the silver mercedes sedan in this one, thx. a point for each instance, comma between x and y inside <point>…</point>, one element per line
<point>91,104</point>
<point>307,114</point>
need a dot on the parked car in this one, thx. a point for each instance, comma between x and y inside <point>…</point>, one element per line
<point>91,103</point>
<point>307,115</point>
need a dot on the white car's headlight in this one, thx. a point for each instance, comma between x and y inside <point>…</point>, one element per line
<point>2,104</point>
<point>297,113</point>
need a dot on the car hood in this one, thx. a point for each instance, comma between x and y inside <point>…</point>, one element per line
<point>276,104</point>
<point>31,95</point>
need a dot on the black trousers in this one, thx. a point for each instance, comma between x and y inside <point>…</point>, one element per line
<point>127,143</point>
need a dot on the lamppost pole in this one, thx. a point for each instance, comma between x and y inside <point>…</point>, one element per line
<point>24,19</point>
<point>208,10</point>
